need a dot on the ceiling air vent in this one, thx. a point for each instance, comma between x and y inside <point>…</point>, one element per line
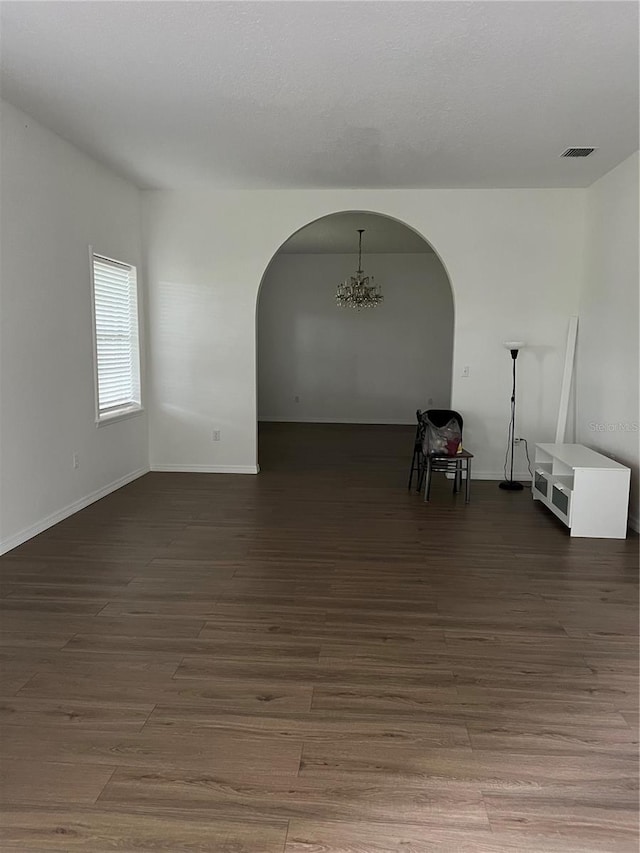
<point>577,152</point>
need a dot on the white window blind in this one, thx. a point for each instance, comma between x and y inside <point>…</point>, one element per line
<point>115,293</point>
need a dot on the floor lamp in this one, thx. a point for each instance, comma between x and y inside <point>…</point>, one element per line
<point>512,485</point>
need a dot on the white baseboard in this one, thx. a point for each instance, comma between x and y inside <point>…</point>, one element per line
<point>378,422</point>
<point>55,517</point>
<point>205,469</point>
<point>255,469</point>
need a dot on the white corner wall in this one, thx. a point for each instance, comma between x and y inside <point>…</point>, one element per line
<point>514,259</point>
<point>346,366</point>
<point>56,202</point>
<point>607,349</point>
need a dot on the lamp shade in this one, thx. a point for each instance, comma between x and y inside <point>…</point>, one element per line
<point>514,344</point>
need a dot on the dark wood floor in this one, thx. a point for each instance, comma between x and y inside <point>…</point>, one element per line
<point>314,661</point>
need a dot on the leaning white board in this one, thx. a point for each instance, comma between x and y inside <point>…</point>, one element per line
<point>566,380</point>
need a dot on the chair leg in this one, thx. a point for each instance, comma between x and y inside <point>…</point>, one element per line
<point>413,465</point>
<point>427,485</point>
<point>421,471</point>
<point>467,484</point>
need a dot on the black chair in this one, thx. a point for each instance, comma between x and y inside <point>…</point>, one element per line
<point>416,459</point>
<point>442,461</point>
<point>438,417</point>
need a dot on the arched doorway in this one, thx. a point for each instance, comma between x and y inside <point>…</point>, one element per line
<point>318,363</point>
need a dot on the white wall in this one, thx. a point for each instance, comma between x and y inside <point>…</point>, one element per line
<point>514,258</point>
<point>607,349</point>
<point>345,366</point>
<point>55,203</point>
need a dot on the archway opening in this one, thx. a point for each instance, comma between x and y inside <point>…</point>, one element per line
<point>347,378</point>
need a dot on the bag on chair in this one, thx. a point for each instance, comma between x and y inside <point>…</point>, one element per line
<point>442,441</point>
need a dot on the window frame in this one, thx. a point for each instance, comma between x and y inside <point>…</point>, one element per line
<point>127,410</point>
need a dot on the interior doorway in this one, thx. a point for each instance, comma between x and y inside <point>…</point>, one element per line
<point>320,364</point>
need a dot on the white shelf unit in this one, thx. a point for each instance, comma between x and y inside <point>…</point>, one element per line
<point>587,491</point>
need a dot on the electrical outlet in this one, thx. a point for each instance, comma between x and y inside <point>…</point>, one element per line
<point>430,401</point>
<point>216,435</point>
<point>466,370</point>
<point>76,460</point>
<point>518,440</point>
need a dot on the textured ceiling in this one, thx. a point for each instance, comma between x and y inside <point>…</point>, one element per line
<point>338,233</point>
<point>332,94</point>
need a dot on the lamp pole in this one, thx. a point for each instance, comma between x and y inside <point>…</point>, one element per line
<point>512,485</point>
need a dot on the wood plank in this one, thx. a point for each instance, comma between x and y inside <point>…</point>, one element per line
<point>200,750</point>
<point>46,713</point>
<point>91,684</point>
<point>311,836</point>
<point>458,766</point>
<point>569,738</point>
<point>602,814</point>
<point>12,624</point>
<point>226,646</point>
<point>315,727</point>
<point>96,830</point>
<point>330,674</point>
<point>281,797</point>
<point>35,781</point>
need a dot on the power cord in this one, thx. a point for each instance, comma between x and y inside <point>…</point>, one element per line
<point>526,450</point>
<point>509,434</point>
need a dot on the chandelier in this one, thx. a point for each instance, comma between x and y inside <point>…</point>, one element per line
<point>358,291</point>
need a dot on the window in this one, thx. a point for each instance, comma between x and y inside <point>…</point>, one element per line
<point>117,344</point>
